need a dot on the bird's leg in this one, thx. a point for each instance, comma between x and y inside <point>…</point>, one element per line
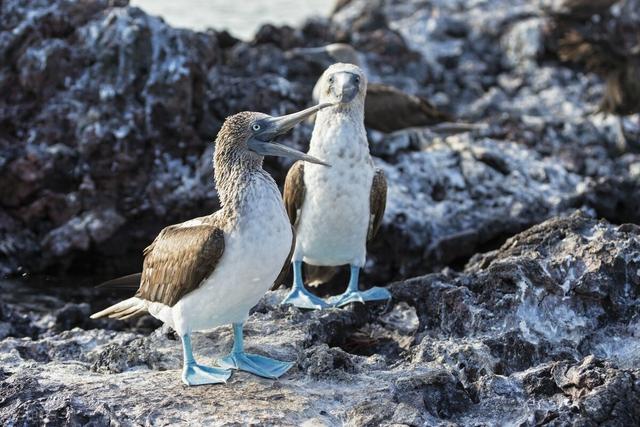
<point>256,364</point>
<point>352,294</point>
<point>299,295</point>
<point>194,374</point>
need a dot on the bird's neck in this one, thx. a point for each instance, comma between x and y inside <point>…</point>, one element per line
<point>338,129</point>
<point>233,172</point>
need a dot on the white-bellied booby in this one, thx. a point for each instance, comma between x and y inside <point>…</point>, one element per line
<point>210,271</point>
<point>336,210</point>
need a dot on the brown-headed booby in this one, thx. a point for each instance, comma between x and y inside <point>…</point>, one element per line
<point>210,271</point>
<point>336,210</point>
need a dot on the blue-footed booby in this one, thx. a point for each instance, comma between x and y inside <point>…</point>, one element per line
<point>336,210</point>
<point>210,271</point>
<point>386,108</point>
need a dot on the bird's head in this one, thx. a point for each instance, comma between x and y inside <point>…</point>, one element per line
<point>329,54</point>
<point>253,134</point>
<point>343,84</point>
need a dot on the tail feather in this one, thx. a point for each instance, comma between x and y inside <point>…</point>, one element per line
<point>123,310</point>
<point>130,282</point>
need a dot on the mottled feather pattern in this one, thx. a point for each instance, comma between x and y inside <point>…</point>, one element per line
<point>287,262</point>
<point>608,46</point>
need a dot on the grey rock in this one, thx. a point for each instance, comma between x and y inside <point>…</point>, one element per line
<point>508,307</point>
<point>458,195</point>
<point>111,112</point>
<point>543,329</point>
<point>523,43</point>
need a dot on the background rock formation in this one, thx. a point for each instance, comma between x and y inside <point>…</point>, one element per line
<point>511,250</point>
<point>107,117</point>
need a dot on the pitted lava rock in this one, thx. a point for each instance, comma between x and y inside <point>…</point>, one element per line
<point>543,329</point>
<point>512,251</point>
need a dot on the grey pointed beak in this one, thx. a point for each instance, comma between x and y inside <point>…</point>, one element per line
<point>262,141</point>
<point>274,126</point>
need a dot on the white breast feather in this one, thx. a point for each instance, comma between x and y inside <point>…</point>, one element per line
<point>334,218</point>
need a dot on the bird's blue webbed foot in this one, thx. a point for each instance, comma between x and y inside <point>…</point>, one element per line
<point>259,365</point>
<point>352,294</point>
<point>194,374</point>
<point>301,297</point>
<point>373,294</point>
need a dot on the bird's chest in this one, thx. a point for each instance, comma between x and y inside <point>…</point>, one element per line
<point>261,239</point>
<point>335,213</point>
<point>257,242</point>
<point>339,193</point>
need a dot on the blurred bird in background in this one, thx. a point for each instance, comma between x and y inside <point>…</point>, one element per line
<point>603,37</point>
<point>387,108</point>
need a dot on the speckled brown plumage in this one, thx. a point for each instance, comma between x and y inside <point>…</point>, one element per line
<point>377,202</point>
<point>388,109</point>
<point>293,193</point>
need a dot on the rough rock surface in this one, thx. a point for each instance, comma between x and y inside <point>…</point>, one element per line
<point>530,314</point>
<point>543,330</point>
<point>107,116</point>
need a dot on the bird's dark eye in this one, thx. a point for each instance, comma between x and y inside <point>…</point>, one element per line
<point>256,127</point>
<point>331,79</point>
<point>357,79</point>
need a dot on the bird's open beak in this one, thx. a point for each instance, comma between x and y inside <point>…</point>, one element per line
<point>262,142</point>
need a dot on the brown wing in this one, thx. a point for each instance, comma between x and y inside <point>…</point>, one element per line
<point>294,191</point>
<point>388,109</point>
<point>287,263</point>
<point>178,260</point>
<point>377,202</point>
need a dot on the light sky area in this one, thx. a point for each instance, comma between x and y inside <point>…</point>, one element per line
<point>242,18</point>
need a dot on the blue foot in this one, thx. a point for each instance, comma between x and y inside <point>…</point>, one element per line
<point>195,374</point>
<point>258,365</point>
<point>299,295</point>
<point>302,298</point>
<point>350,296</point>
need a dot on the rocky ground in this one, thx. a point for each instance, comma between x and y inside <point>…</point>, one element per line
<point>512,303</point>
<point>544,330</point>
